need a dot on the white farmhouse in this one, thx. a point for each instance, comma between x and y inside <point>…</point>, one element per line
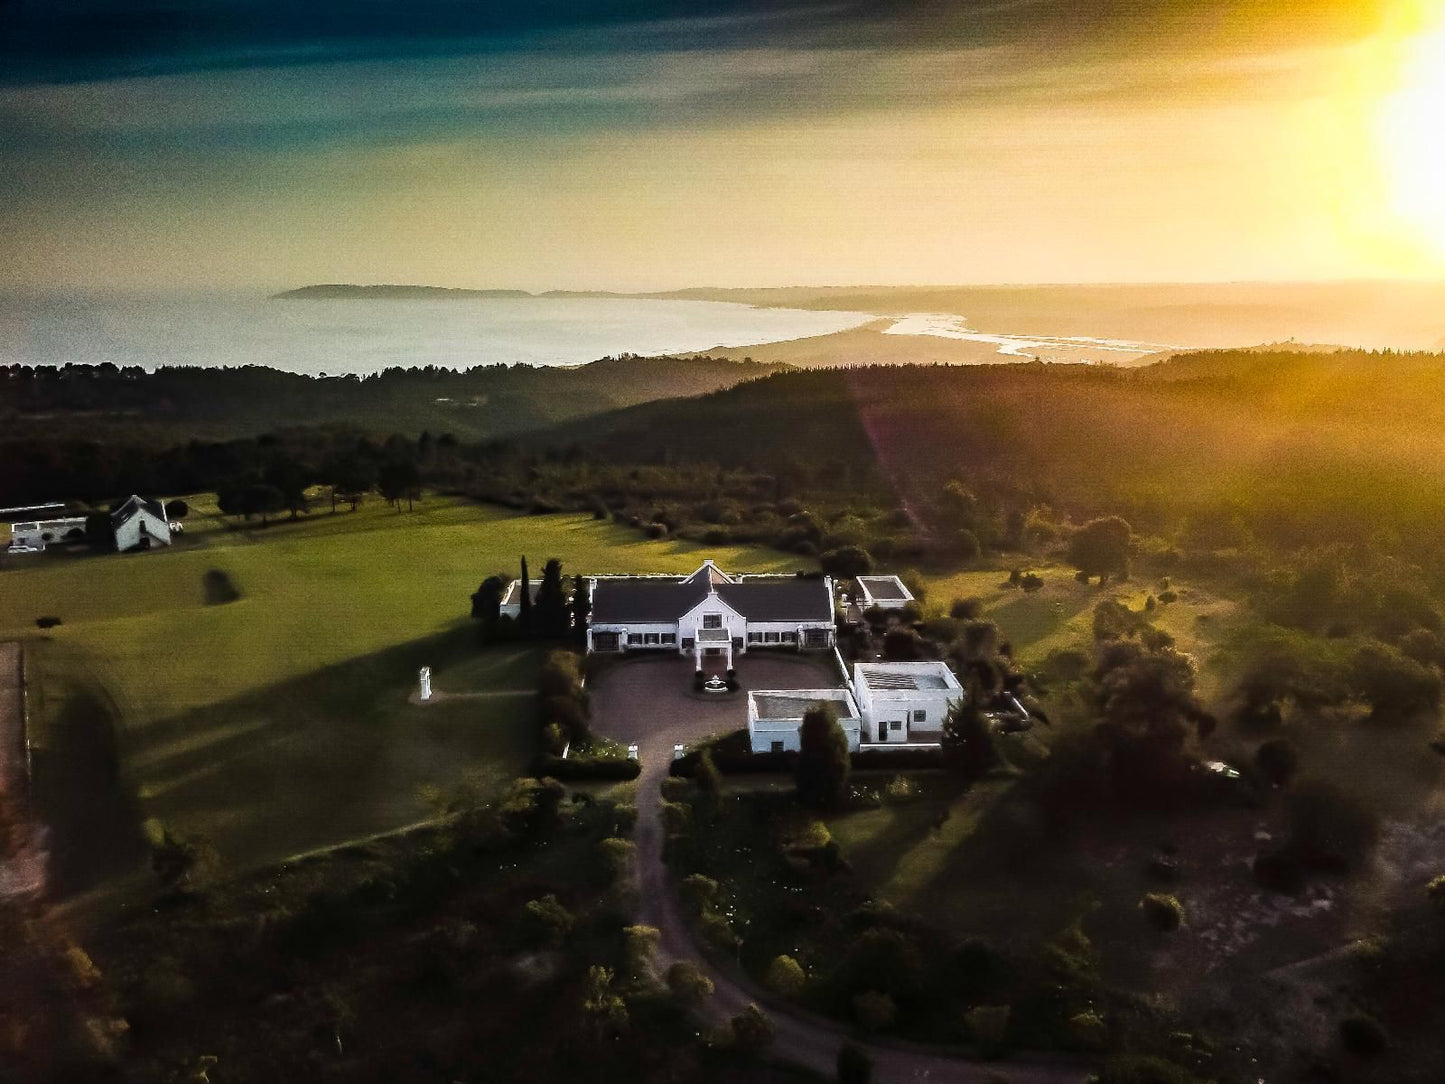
<point>710,614</point>
<point>885,592</point>
<point>775,717</point>
<point>904,702</point>
<point>140,524</point>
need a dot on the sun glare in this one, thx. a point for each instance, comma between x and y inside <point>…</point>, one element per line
<point>1412,131</point>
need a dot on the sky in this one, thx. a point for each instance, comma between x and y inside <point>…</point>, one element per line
<point>646,144</point>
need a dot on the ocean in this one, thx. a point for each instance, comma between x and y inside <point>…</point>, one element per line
<point>366,336</point>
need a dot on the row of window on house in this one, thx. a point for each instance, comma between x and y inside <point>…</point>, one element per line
<point>669,639</point>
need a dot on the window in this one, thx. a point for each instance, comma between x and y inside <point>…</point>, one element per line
<point>687,643</point>
<point>772,637</point>
<point>634,638</point>
<point>669,638</point>
<point>817,637</point>
<point>755,637</point>
<point>604,641</point>
<point>920,716</point>
<point>712,621</point>
<point>652,638</point>
<point>896,724</point>
<point>777,747</point>
<point>790,637</point>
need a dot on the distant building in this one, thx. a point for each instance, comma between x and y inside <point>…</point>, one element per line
<point>140,524</point>
<point>904,702</point>
<point>34,535</point>
<point>710,614</point>
<point>885,592</point>
<point>512,600</point>
<point>775,717</point>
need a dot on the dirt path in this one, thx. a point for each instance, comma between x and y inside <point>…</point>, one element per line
<point>647,703</point>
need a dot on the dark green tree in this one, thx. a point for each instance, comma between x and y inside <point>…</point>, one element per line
<point>581,608</point>
<point>487,600</point>
<point>524,602</point>
<point>821,775</point>
<point>968,746</point>
<point>1101,548</point>
<point>550,614</point>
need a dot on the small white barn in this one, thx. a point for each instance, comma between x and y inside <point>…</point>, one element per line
<point>775,717</point>
<point>885,592</point>
<point>140,524</point>
<point>512,600</point>
<point>904,702</point>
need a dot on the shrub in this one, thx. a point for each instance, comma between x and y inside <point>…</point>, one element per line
<point>1363,1036</point>
<point>1279,871</point>
<point>847,562</point>
<point>786,976</point>
<point>965,609</point>
<point>1031,582</point>
<point>1277,761</point>
<point>699,892</point>
<point>1330,828</point>
<point>688,983</point>
<point>545,922</point>
<point>988,1024</point>
<point>717,932</point>
<point>967,545</point>
<point>656,530</point>
<point>752,1030</point>
<point>47,622</point>
<point>901,789</point>
<point>1088,1030</point>
<point>1435,893</point>
<point>1166,597</point>
<point>1165,913</point>
<point>875,1010</point>
<point>582,766</point>
<point>699,679</point>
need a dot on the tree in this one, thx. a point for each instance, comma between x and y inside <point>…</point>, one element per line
<point>1101,548</point>
<point>177,509</point>
<point>399,479</point>
<point>549,616</point>
<point>261,500</point>
<point>847,562</point>
<point>786,976</point>
<point>524,601</point>
<point>290,478</point>
<point>967,741</point>
<point>487,600</point>
<point>822,769</point>
<point>708,780</point>
<point>752,1030</point>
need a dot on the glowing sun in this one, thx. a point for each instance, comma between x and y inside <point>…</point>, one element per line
<point>1412,134</point>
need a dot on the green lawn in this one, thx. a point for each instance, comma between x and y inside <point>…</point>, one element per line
<point>280,722</point>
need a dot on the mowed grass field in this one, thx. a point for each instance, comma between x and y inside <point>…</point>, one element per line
<point>280,722</point>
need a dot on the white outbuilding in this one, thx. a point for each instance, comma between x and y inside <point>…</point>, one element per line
<point>885,592</point>
<point>904,702</point>
<point>776,716</point>
<point>140,524</point>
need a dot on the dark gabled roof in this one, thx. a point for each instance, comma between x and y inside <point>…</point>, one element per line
<point>786,598</point>
<point>127,508</point>
<point>644,599</point>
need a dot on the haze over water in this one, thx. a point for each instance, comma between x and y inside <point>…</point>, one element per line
<point>367,336</point>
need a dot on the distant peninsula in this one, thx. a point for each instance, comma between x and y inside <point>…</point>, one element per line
<point>344,291</point>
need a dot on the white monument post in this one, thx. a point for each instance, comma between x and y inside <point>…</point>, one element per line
<point>425,677</point>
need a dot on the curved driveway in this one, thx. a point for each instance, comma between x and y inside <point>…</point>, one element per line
<point>650,702</point>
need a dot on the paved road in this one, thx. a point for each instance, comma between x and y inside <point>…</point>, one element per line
<point>651,703</point>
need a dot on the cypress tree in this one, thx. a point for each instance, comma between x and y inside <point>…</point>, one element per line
<point>524,614</point>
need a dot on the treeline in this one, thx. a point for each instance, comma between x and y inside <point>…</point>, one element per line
<point>485,401</point>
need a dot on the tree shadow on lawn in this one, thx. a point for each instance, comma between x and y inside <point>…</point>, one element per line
<point>331,755</point>
<point>1027,620</point>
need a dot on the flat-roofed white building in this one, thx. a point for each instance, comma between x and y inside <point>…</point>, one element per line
<point>885,592</point>
<point>512,600</point>
<point>904,702</point>
<point>32,536</point>
<point>776,716</point>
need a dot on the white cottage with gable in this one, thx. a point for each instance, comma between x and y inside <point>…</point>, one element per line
<point>140,524</point>
<point>710,614</point>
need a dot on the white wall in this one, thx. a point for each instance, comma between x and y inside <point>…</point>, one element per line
<point>129,533</point>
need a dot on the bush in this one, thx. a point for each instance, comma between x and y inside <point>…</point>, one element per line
<point>546,923</point>
<point>967,545</point>
<point>1279,871</point>
<point>752,1030</point>
<point>1166,597</point>
<point>1031,582</point>
<point>1277,761</point>
<point>1165,913</point>
<point>717,932</point>
<point>584,766</point>
<point>688,983</point>
<point>875,1010</point>
<point>786,977</point>
<point>1363,1036</point>
<point>656,530</point>
<point>988,1024</point>
<point>1330,829</point>
<point>847,562</point>
<point>699,679</point>
<point>1435,893</point>
<point>965,609</point>
<point>47,622</point>
<point>1088,1030</point>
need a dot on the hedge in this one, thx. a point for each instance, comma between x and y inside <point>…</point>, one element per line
<point>583,766</point>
